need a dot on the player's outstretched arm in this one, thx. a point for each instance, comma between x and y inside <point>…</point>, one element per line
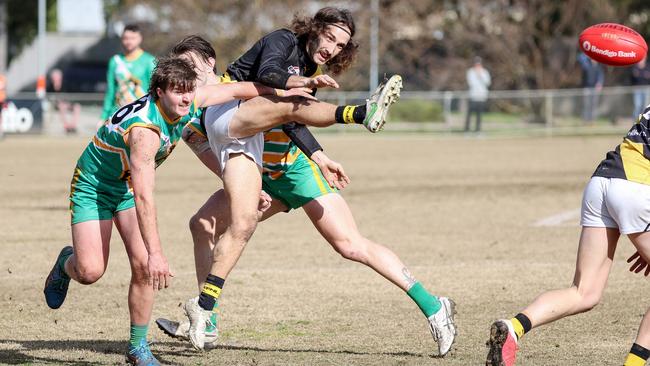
<point>144,144</point>
<point>222,93</point>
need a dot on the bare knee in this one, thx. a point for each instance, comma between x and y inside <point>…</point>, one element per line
<point>200,226</point>
<point>242,227</point>
<point>87,275</point>
<point>350,248</point>
<point>588,300</point>
<point>139,272</point>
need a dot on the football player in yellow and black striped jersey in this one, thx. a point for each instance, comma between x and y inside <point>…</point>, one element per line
<point>294,180</point>
<point>616,201</point>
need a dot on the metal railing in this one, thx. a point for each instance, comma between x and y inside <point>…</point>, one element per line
<point>549,110</point>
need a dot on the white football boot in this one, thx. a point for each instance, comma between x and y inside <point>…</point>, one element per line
<point>380,101</point>
<point>181,330</point>
<point>442,326</point>
<point>198,318</point>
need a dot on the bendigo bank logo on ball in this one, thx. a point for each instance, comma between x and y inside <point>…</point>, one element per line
<point>588,47</point>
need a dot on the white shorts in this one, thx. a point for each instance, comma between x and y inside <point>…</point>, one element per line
<point>616,203</point>
<point>217,126</point>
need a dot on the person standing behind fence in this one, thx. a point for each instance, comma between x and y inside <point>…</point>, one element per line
<point>128,73</point>
<point>478,81</point>
<point>640,78</point>
<point>593,78</point>
<point>68,112</point>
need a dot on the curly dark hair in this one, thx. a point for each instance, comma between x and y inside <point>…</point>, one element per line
<point>308,29</point>
<point>197,45</point>
<point>172,73</point>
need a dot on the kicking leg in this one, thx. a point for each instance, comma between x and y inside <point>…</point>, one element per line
<point>262,113</point>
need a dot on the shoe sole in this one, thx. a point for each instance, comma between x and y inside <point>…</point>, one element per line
<point>169,332</point>
<point>498,336</point>
<point>388,96</point>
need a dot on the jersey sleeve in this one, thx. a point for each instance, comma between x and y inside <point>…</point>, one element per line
<point>274,53</point>
<point>302,137</point>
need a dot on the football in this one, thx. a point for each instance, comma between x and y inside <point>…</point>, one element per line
<point>613,44</point>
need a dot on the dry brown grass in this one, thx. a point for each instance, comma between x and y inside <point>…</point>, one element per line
<point>459,212</point>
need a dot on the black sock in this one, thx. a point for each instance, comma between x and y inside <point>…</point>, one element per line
<point>638,355</point>
<point>525,323</point>
<point>211,291</point>
<point>350,114</point>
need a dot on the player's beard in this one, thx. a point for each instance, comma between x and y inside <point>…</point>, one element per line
<point>312,47</point>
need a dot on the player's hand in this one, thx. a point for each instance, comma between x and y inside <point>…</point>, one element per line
<point>321,81</point>
<point>159,273</point>
<point>332,171</point>
<point>639,265</point>
<point>265,202</point>
<point>299,92</point>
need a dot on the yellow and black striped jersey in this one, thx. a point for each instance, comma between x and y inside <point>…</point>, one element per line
<point>271,61</point>
<point>631,159</point>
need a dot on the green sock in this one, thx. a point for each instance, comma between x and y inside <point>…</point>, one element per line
<point>138,334</point>
<point>213,318</point>
<point>428,303</point>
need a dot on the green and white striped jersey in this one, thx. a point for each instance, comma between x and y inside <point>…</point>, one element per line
<point>107,155</point>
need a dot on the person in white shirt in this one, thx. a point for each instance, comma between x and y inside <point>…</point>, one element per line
<point>478,80</point>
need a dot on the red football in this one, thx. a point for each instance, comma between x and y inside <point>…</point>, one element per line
<point>613,44</point>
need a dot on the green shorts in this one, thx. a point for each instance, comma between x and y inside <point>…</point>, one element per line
<point>301,183</point>
<point>97,199</point>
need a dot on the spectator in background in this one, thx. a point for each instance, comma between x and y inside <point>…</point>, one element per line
<point>128,73</point>
<point>641,78</point>
<point>478,81</point>
<point>68,112</point>
<point>593,78</point>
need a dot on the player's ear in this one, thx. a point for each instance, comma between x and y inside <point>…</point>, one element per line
<point>211,62</point>
<point>159,92</point>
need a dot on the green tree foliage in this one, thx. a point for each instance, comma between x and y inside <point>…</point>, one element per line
<point>22,23</point>
<point>524,43</point>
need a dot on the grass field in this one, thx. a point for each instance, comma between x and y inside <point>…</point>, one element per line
<point>461,213</point>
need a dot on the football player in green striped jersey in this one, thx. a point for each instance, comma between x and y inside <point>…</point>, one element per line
<point>113,182</point>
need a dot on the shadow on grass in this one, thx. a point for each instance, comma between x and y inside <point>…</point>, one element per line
<point>324,351</point>
<point>24,351</point>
